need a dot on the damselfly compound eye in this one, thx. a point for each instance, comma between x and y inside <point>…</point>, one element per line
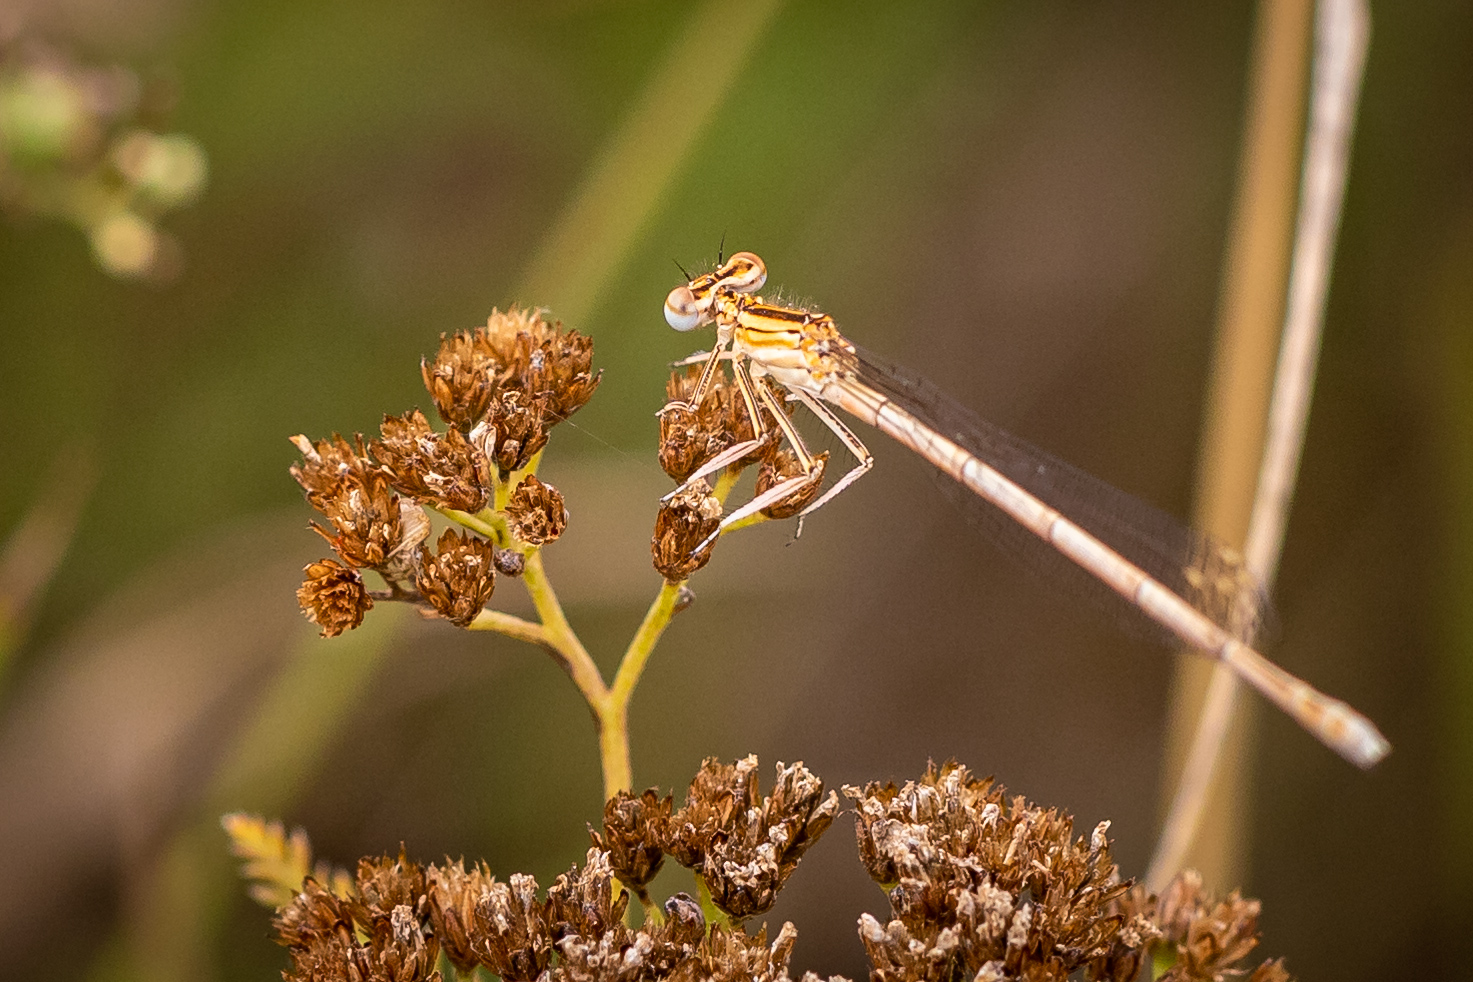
<point>681,310</point>
<point>745,272</point>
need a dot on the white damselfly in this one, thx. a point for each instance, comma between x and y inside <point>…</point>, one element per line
<point>1194,588</point>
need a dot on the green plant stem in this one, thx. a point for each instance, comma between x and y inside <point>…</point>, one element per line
<point>485,523</point>
<point>609,704</point>
<point>714,915</point>
<point>656,619</point>
<point>510,625</point>
<point>560,637</point>
<point>613,709</point>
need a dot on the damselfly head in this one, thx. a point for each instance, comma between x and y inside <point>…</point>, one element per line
<point>682,311</point>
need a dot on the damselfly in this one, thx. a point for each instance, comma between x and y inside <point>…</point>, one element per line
<point>1209,602</point>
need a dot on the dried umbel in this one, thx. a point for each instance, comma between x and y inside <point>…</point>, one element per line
<point>985,886</point>
<point>380,931</point>
<point>444,470</point>
<point>634,834</point>
<point>691,436</point>
<point>507,384</point>
<point>782,465</point>
<point>501,388</point>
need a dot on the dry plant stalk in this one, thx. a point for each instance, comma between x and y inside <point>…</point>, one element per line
<point>1342,34</point>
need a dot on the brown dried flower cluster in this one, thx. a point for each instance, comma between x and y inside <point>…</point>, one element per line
<point>398,917</point>
<point>745,846</point>
<point>536,512</point>
<point>742,846</point>
<point>501,388</point>
<point>983,886</point>
<point>691,436</point>
<point>682,524</point>
<point>507,384</point>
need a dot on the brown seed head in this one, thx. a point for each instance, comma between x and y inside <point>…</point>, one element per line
<point>373,527</point>
<point>458,579</point>
<point>454,892</point>
<point>462,378</point>
<point>634,835</point>
<point>514,430</point>
<point>782,465</point>
<point>549,370</point>
<point>385,885</point>
<point>536,512</point>
<point>983,879</point>
<point>732,955</point>
<point>561,366</point>
<point>682,524</point>
<point>1209,935</point>
<point>584,902</point>
<point>379,934</point>
<point>333,597</point>
<point>512,935</point>
<point>447,470</point>
<point>329,467</point>
<point>688,437</point>
<point>746,847</point>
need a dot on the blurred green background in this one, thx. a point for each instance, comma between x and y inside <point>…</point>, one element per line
<point>1026,202</point>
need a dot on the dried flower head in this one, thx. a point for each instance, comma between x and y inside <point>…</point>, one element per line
<point>782,465</point>
<point>458,579</point>
<point>745,847</point>
<point>447,471</point>
<point>1208,935</point>
<point>691,436</point>
<point>374,527</point>
<point>453,892</point>
<point>462,378</point>
<point>333,597</point>
<point>980,879</point>
<point>634,835</point>
<point>681,525</point>
<point>378,933</point>
<point>507,384</point>
<point>513,937</point>
<point>536,512</point>
<point>990,887</point>
<point>586,902</point>
<point>329,467</point>
<point>562,367</point>
<point>515,429</point>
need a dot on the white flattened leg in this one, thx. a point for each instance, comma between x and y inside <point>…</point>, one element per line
<point>861,453</point>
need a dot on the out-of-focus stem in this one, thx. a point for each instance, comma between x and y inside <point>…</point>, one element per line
<point>1342,30</point>
<point>1255,271</point>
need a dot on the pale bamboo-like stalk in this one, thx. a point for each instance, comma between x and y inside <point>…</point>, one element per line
<point>1342,33</point>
